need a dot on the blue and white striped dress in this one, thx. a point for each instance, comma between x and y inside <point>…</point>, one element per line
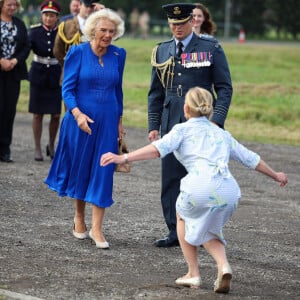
<point>209,194</point>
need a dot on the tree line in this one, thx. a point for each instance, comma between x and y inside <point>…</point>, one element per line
<point>259,18</point>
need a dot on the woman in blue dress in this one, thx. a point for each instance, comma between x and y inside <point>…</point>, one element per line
<point>92,91</point>
<point>209,194</point>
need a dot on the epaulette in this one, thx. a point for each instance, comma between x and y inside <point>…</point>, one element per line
<point>36,25</point>
<point>165,42</point>
<point>210,39</point>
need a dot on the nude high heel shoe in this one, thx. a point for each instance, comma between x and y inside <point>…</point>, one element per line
<point>100,245</point>
<point>222,284</point>
<point>80,235</point>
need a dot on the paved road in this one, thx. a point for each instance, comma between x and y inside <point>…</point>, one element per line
<point>40,258</point>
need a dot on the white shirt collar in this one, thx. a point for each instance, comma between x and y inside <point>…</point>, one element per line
<point>81,22</point>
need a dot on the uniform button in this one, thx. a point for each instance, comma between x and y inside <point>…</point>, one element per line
<point>179,74</point>
<point>48,66</point>
<point>48,57</point>
<point>179,62</point>
<point>49,50</point>
<point>49,42</point>
<point>48,33</point>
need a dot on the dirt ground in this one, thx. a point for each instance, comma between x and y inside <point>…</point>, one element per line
<point>40,259</point>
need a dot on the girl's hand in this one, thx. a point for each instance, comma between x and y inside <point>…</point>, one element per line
<point>109,158</point>
<point>282,178</point>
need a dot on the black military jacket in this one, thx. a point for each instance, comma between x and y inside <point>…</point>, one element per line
<point>42,43</point>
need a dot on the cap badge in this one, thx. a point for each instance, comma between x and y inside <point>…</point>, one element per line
<point>176,10</point>
<point>50,4</point>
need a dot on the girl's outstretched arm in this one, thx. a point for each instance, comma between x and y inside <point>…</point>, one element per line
<point>264,168</point>
<point>144,153</point>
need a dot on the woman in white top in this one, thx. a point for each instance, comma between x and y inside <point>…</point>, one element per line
<point>209,194</point>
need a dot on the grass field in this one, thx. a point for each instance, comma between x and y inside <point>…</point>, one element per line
<point>266,80</point>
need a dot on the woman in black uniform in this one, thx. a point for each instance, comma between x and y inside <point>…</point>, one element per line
<point>44,76</point>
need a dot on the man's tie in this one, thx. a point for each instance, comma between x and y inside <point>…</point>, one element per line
<point>180,47</point>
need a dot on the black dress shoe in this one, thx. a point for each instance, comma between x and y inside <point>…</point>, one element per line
<point>39,158</point>
<point>167,242</point>
<point>48,152</point>
<point>6,158</point>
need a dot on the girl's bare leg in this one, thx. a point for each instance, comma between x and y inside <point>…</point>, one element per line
<point>189,251</point>
<point>217,250</point>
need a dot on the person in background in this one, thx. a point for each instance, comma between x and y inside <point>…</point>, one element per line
<point>121,13</point>
<point>209,194</point>
<point>144,20</point>
<point>32,14</point>
<point>70,32</point>
<point>203,23</point>
<point>74,10</point>
<point>44,77</point>
<point>14,50</point>
<point>134,22</point>
<point>185,61</point>
<point>92,91</point>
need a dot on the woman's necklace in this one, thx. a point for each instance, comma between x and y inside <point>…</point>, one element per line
<point>100,59</point>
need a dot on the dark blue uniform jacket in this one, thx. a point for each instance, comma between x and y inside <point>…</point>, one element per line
<point>165,104</point>
<point>41,43</point>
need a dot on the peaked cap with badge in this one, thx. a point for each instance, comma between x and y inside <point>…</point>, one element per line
<point>89,2</point>
<point>178,13</point>
<point>50,6</point>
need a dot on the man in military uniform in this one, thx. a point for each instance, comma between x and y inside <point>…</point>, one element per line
<point>179,64</point>
<point>70,31</point>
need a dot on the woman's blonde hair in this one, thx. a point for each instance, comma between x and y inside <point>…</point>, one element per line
<point>103,14</point>
<point>199,101</point>
<point>19,5</point>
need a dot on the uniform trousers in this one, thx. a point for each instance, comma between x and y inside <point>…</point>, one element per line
<point>172,172</point>
<point>9,94</point>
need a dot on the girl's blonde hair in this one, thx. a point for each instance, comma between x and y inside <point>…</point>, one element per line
<point>103,14</point>
<point>199,101</point>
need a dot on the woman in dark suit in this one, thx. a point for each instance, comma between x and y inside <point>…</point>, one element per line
<point>14,50</point>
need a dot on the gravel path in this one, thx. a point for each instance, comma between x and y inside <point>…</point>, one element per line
<point>40,258</point>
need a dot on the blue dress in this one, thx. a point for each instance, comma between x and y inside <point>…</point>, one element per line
<point>97,91</point>
<point>209,194</point>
